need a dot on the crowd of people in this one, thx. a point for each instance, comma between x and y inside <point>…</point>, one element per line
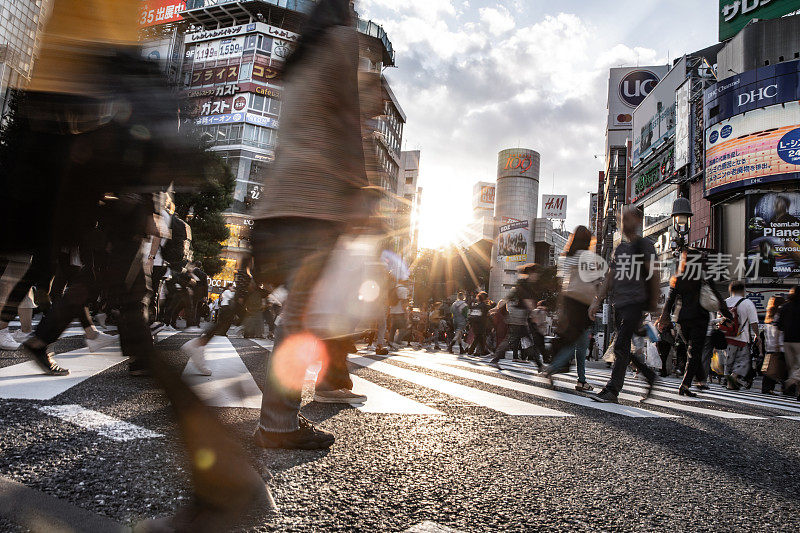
<point>106,246</point>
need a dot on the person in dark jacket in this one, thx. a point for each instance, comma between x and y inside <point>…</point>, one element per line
<point>479,320</point>
<point>692,318</point>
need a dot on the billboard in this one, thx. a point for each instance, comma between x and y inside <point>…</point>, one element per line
<point>554,206</point>
<point>593,198</point>
<point>754,89</point>
<point>753,148</point>
<point>650,176</point>
<point>512,242</point>
<point>228,48</point>
<point>483,195</point>
<point>212,76</point>
<point>654,119</point>
<point>682,118</point>
<point>155,12</point>
<point>735,14</point>
<point>233,31</point>
<point>627,88</point>
<point>773,233</point>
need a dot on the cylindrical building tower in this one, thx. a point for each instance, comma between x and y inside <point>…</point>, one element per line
<point>515,209</point>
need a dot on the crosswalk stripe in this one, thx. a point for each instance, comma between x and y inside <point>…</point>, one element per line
<point>791,418</point>
<point>165,334</point>
<point>575,399</point>
<point>746,398</point>
<point>230,385</point>
<point>504,404</point>
<point>25,381</point>
<point>264,343</point>
<point>105,425</point>
<point>383,400</point>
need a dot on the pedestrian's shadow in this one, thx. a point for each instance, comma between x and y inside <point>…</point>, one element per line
<point>723,448</point>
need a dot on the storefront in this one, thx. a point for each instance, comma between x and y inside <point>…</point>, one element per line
<point>752,154</point>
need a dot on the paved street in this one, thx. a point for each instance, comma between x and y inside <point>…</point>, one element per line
<point>443,439</point>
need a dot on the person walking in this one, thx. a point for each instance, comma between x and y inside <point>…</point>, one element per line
<point>740,331</point>
<point>774,367</point>
<point>479,321</point>
<point>459,311</point>
<point>398,314</point>
<point>633,285</point>
<point>316,191</point>
<point>581,274</point>
<point>438,326</point>
<point>789,325</point>
<point>521,301</point>
<point>693,318</point>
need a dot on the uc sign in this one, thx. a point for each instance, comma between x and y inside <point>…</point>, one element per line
<point>521,162</point>
<point>635,86</point>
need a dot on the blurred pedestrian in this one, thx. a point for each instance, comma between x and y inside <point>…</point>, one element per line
<point>740,330</point>
<point>789,324</point>
<point>774,367</point>
<point>459,311</point>
<point>479,322</point>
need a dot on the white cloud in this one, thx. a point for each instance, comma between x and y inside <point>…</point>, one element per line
<point>499,20</point>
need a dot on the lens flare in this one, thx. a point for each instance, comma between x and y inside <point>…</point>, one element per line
<point>369,291</point>
<point>293,357</point>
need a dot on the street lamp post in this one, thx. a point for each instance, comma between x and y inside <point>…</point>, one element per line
<point>681,223</point>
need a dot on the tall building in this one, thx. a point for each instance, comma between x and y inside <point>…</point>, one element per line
<point>231,57</point>
<point>410,197</point>
<point>20,24</point>
<point>515,211</point>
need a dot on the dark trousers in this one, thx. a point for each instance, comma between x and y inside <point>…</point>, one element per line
<point>664,349</point>
<point>225,317</point>
<point>694,333</point>
<point>573,320</point>
<point>294,252</point>
<point>629,320</point>
<point>478,345</point>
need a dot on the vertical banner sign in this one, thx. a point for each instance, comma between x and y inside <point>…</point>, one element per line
<point>512,242</point>
<point>773,234</point>
<point>682,138</point>
<point>554,206</point>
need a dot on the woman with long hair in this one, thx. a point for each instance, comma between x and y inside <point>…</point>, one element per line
<point>774,368</point>
<point>581,272</point>
<point>692,317</point>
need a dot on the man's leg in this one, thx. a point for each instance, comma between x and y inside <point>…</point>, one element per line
<point>629,318</point>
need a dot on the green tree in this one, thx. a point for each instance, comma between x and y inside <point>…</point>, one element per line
<point>203,208</point>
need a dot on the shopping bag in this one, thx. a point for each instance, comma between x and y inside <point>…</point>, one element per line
<point>774,366</point>
<point>653,357</point>
<point>609,357</point>
<point>347,297</point>
<point>718,362</point>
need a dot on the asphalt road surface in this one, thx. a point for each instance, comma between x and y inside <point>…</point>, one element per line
<point>444,443</point>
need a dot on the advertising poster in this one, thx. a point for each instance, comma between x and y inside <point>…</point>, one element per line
<point>215,75</point>
<point>554,206</point>
<point>512,242</point>
<point>773,233</point>
<point>682,118</point>
<point>627,87</point>
<point>756,147</point>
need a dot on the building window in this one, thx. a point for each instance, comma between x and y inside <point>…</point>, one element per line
<point>264,44</point>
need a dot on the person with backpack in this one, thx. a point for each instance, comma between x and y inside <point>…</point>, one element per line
<point>789,324</point>
<point>398,314</point>
<point>460,311</point>
<point>479,322</point>
<point>634,287</point>
<point>740,330</point>
<point>693,318</point>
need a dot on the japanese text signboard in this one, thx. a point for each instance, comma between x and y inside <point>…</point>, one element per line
<point>735,14</point>
<point>155,12</point>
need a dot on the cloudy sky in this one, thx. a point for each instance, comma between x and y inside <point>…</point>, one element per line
<point>477,76</point>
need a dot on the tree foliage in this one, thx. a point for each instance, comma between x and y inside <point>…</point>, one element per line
<point>203,209</point>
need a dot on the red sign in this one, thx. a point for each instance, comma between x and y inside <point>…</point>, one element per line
<point>522,162</point>
<point>160,12</point>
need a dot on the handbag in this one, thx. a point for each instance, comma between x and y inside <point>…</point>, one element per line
<point>774,366</point>
<point>718,363</point>
<point>708,300</point>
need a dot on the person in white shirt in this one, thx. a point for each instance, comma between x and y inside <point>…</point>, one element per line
<point>398,318</point>
<point>737,358</point>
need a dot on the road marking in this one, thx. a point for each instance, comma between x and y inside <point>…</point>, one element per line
<point>231,384</point>
<point>264,343</point>
<point>430,527</point>
<point>383,400</point>
<point>504,404</point>
<point>575,399</point>
<point>165,334</point>
<point>105,425</point>
<point>790,417</point>
<point>25,381</point>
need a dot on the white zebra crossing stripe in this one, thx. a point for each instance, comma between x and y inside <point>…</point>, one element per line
<point>165,334</point>
<point>797,418</point>
<point>531,389</point>
<point>230,385</point>
<point>383,400</point>
<point>25,381</point>
<point>504,404</point>
<point>105,425</point>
